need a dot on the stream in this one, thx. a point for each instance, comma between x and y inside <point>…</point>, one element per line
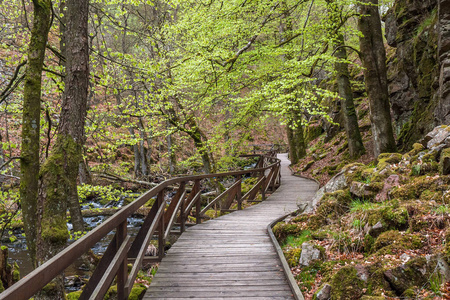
<point>17,247</point>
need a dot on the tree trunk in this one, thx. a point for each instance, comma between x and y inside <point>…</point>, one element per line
<point>296,140</point>
<point>59,173</point>
<point>170,153</point>
<point>373,57</point>
<point>29,164</point>
<point>355,144</point>
<point>142,150</point>
<point>137,156</point>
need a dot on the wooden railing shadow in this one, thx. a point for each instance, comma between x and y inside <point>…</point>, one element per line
<point>159,222</point>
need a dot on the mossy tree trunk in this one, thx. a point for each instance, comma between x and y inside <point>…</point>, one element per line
<point>29,164</point>
<point>373,57</point>
<point>355,143</point>
<point>59,173</point>
<point>296,139</point>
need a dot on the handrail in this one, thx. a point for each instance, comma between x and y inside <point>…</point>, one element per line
<point>120,250</point>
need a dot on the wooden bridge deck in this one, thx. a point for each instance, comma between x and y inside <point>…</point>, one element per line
<point>232,257</point>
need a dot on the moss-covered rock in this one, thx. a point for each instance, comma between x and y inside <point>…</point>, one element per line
<point>414,273</point>
<point>282,230</point>
<point>444,162</point>
<point>333,205</point>
<point>414,188</point>
<point>391,216</point>
<point>137,292</point>
<point>346,285</point>
<point>396,240</point>
<point>416,149</point>
<point>385,159</point>
<point>292,256</point>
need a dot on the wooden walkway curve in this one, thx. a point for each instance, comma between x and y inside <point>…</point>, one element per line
<point>232,257</point>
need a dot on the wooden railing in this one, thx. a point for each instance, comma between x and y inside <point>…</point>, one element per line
<point>159,222</point>
<point>270,149</point>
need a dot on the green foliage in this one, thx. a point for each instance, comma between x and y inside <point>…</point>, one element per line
<point>362,205</point>
<point>297,240</point>
<point>104,194</point>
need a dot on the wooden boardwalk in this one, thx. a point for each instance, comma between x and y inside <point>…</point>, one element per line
<point>232,257</point>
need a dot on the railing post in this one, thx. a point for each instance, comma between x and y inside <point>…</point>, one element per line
<point>122,273</point>
<point>198,203</point>
<point>161,230</point>
<point>239,192</point>
<point>182,216</point>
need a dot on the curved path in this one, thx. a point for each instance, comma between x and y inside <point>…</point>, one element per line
<point>232,257</point>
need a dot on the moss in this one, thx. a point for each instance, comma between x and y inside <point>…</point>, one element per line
<point>345,284</point>
<point>16,272</point>
<point>74,295</point>
<point>111,293</point>
<point>367,174</point>
<point>320,235</point>
<point>409,293</point>
<point>51,291</point>
<point>2,288</point>
<point>428,195</point>
<point>376,283</point>
<point>58,174</point>
<point>137,292</point>
<point>282,230</point>
<point>395,240</point>
<point>368,243</point>
<point>300,219</point>
<point>416,224</point>
<point>385,159</point>
<point>447,245</point>
<point>413,189</point>
<point>54,230</point>
<point>445,156</point>
<point>315,222</point>
<point>391,216</point>
<point>334,205</point>
<point>293,256</point>
<point>312,131</point>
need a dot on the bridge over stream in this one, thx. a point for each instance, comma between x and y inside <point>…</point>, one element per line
<point>231,257</point>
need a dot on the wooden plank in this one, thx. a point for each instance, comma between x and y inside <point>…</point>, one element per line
<point>220,289</point>
<point>214,294</point>
<point>157,282</point>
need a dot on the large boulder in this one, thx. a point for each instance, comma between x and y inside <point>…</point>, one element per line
<point>338,182</point>
<point>436,137</point>
<point>417,272</point>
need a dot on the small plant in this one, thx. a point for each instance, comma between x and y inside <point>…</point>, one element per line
<point>415,170</point>
<point>366,180</point>
<point>357,224</point>
<point>442,210</point>
<point>297,241</point>
<point>435,283</point>
<point>361,205</point>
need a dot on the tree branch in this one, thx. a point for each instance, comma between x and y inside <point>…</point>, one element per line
<point>11,82</point>
<point>9,160</point>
